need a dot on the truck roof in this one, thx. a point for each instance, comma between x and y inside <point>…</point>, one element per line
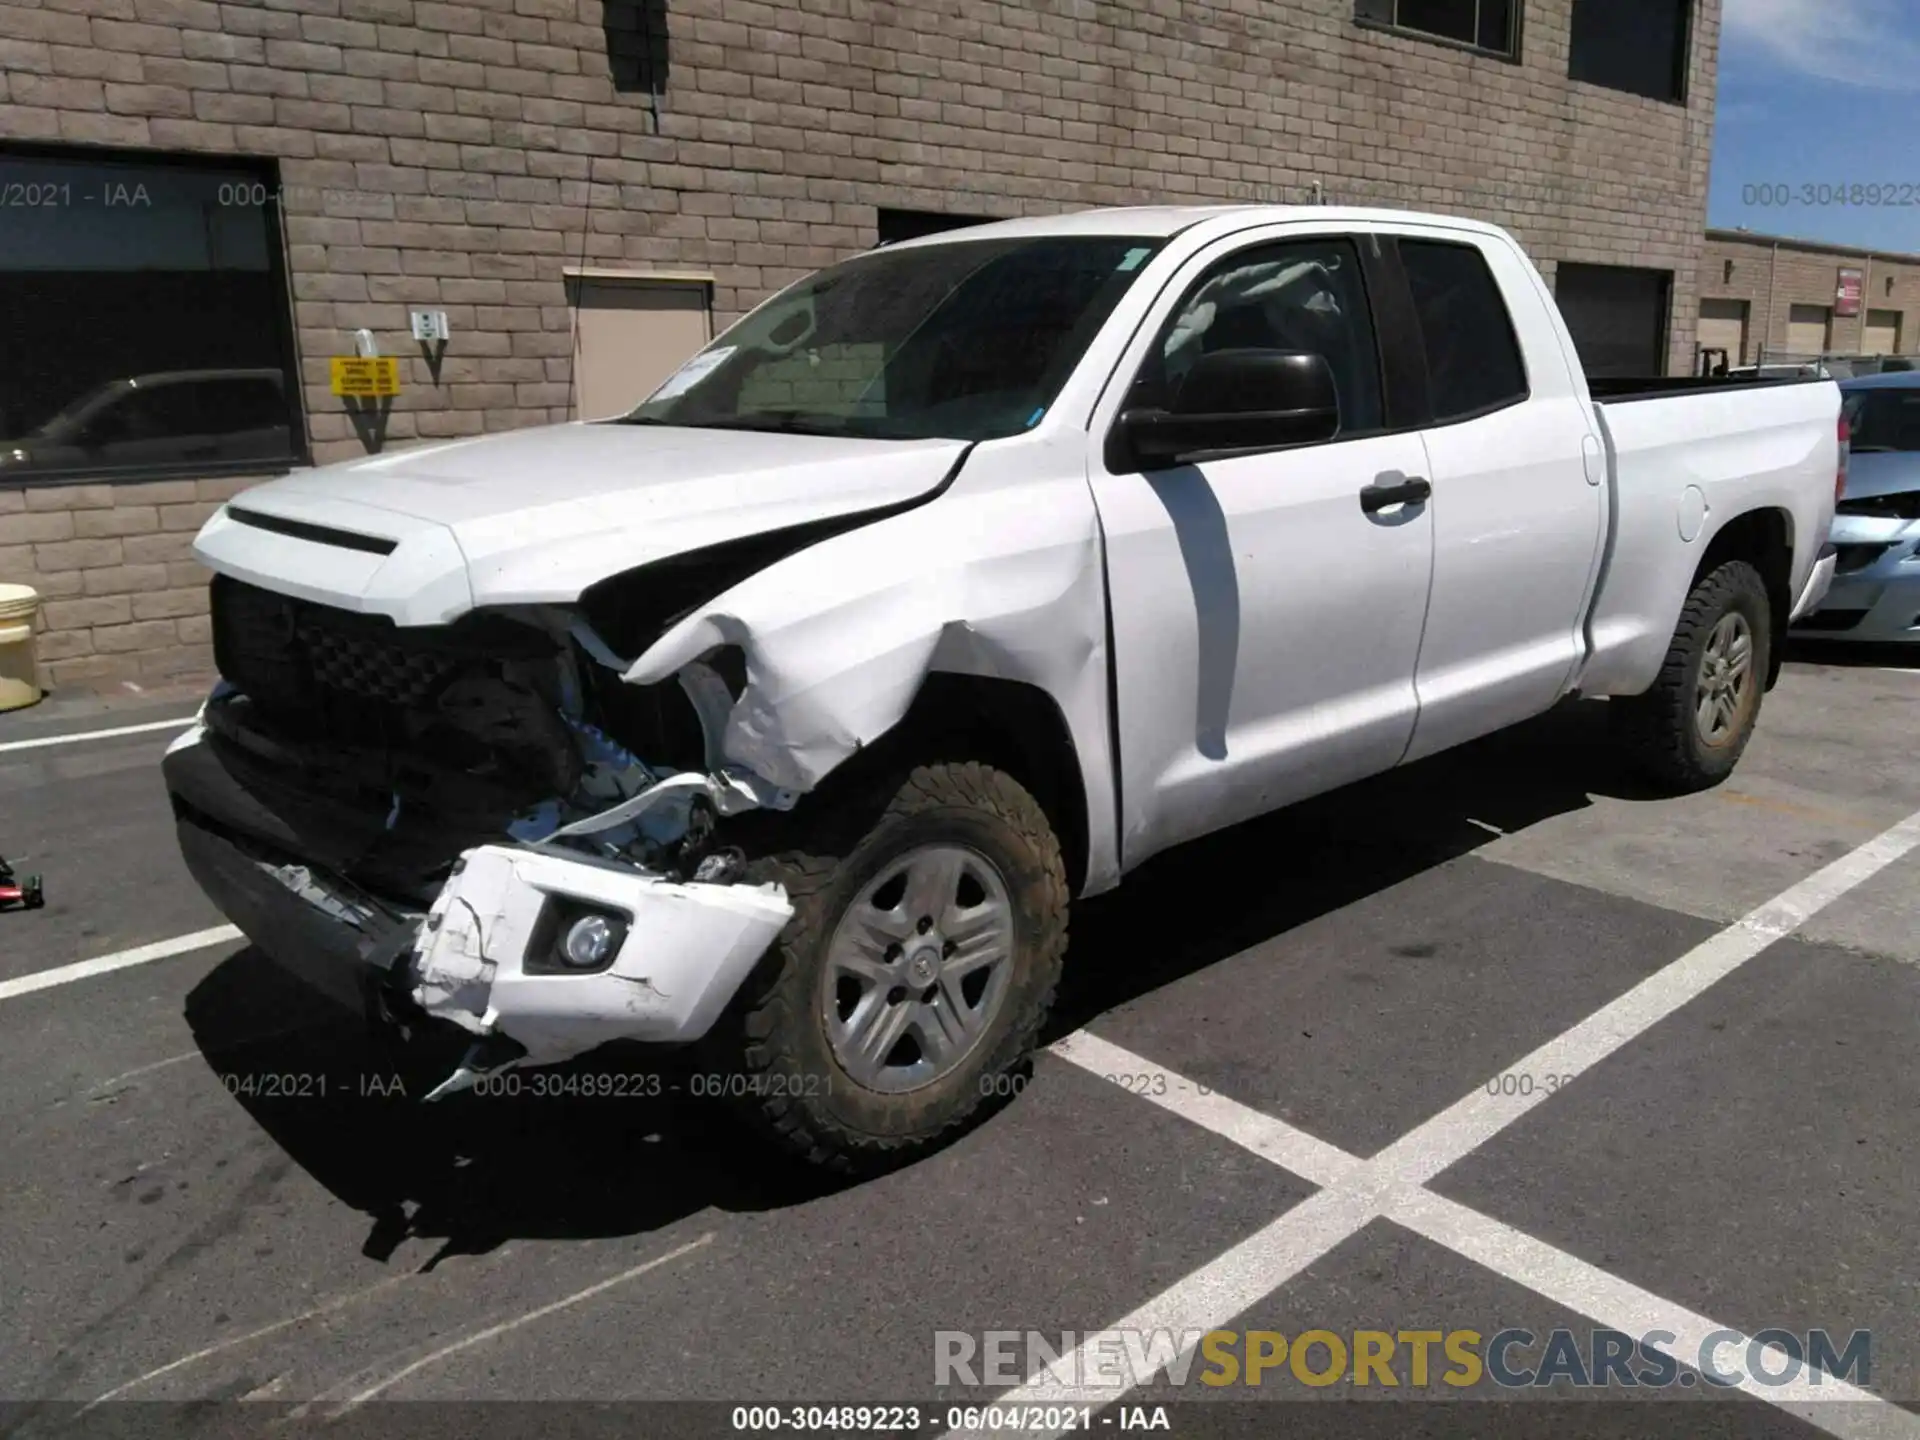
<point>1165,220</point>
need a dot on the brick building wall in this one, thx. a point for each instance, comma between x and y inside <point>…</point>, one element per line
<point>462,156</point>
<point>1773,275</point>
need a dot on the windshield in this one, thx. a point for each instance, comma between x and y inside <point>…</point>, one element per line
<point>967,340</point>
<point>1883,420</point>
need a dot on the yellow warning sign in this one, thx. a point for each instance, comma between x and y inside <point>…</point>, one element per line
<point>360,378</point>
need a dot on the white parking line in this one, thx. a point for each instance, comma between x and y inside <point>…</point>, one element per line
<point>1391,1184</point>
<point>1476,1118</point>
<point>1273,1140</point>
<point>466,1342</point>
<point>1622,1306</point>
<point>75,737</point>
<point>327,1307</point>
<point>120,960</point>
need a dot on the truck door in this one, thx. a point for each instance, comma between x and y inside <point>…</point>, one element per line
<point>1266,607</point>
<point>1519,513</point>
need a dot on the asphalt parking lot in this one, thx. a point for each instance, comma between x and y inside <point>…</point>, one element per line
<point>1496,1041</point>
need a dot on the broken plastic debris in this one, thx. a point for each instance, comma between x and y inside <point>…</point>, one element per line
<point>489,1055</point>
<point>299,879</point>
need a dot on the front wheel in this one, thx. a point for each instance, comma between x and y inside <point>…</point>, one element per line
<point>918,967</point>
<point>1690,729</point>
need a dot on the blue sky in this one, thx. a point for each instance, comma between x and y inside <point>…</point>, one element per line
<point>1822,93</point>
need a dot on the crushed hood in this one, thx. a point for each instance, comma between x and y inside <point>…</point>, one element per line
<point>537,516</point>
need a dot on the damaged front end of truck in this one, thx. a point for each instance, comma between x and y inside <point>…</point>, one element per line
<point>480,823</point>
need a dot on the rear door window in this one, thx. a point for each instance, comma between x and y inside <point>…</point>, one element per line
<point>1473,359</point>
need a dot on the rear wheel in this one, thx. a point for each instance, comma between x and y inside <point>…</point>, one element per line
<point>1690,729</point>
<point>920,963</point>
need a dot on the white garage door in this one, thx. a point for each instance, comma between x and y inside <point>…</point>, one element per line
<point>1723,326</point>
<point>1808,328</point>
<point>1883,333</point>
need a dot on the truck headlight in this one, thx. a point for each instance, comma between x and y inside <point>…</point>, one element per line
<point>591,942</point>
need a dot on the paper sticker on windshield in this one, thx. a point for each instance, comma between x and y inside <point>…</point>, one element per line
<point>691,373</point>
<point>1131,260</point>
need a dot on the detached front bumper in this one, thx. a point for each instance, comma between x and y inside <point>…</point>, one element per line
<point>487,956</point>
<point>491,954</point>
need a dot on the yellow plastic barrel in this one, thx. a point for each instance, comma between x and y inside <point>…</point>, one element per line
<point>19,680</point>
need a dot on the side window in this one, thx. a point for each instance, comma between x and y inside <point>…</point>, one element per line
<point>1473,359</point>
<point>1302,295</point>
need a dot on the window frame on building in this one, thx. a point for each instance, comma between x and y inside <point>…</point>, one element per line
<point>1682,60</point>
<point>262,176</point>
<point>1384,15</point>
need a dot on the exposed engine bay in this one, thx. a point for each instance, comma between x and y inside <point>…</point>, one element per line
<point>471,800</point>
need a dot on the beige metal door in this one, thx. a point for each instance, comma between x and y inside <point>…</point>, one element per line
<point>1883,333</point>
<point>630,333</point>
<point>1808,329</point>
<point>1723,326</point>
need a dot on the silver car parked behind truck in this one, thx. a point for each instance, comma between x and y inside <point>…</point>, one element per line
<point>1876,526</point>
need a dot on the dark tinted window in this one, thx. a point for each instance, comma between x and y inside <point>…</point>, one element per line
<point>133,289</point>
<point>1639,46</point>
<point>1484,24</point>
<point>1473,359</point>
<point>1618,318</point>
<point>243,404</point>
<point>1884,419</point>
<point>1305,295</point>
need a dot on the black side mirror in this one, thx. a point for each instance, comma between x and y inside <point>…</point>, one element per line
<point>1235,400</point>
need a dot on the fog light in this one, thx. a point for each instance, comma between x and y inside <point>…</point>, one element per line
<point>591,942</point>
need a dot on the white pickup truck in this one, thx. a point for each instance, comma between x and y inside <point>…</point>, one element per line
<point>788,713</point>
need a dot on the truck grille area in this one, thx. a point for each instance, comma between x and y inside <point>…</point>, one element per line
<point>355,676</point>
<point>366,665</point>
<point>281,651</point>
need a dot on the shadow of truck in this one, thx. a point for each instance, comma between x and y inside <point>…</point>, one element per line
<point>617,1144</point>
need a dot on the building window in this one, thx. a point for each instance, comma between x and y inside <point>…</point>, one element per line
<point>1639,46</point>
<point>1489,25</point>
<point>1618,318</point>
<point>898,225</point>
<point>147,324</point>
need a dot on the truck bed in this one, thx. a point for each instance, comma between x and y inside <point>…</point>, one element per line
<point>1676,457</point>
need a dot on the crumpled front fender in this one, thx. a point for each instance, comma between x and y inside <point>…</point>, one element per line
<point>996,579</point>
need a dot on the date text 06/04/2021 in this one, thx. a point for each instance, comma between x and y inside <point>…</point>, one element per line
<point>911,1419</point>
<point>536,1084</point>
<point>540,1084</point>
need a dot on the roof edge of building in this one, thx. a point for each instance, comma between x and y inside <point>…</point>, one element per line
<point>1822,247</point>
